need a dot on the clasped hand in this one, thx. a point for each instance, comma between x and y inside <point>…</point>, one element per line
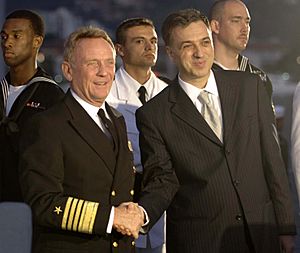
<point>128,219</point>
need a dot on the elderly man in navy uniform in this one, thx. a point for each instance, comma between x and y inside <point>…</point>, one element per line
<point>77,167</point>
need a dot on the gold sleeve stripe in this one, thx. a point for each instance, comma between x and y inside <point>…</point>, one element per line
<point>66,213</point>
<point>84,220</point>
<point>79,215</point>
<point>87,218</point>
<point>93,217</point>
<point>71,214</point>
<point>82,216</point>
<point>78,212</point>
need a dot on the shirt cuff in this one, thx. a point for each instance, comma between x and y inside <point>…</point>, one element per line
<point>110,221</point>
<point>146,219</point>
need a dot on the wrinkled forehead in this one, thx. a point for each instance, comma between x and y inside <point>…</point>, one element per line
<point>85,46</point>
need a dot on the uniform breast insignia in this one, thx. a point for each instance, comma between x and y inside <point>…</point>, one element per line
<point>35,105</point>
<point>57,210</point>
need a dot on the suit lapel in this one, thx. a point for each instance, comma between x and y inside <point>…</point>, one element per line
<point>90,132</point>
<point>120,173</point>
<point>184,109</point>
<point>229,99</point>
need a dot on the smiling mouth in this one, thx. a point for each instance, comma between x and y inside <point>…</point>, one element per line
<point>199,63</point>
<point>102,83</point>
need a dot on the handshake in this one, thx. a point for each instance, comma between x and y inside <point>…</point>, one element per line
<point>128,219</point>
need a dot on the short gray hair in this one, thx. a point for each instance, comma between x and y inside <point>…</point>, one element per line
<point>84,33</point>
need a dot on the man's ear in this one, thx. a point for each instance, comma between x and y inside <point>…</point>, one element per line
<point>119,49</point>
<point>67,70</point>
<point>37,41</point>
<point>215,26</point>
<point>169,52</point>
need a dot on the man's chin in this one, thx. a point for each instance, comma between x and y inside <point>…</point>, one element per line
<point>242,47</point>
<point>149,63</point>
<point>9,62</point>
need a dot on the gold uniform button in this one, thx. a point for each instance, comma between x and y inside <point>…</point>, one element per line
<point>115,244</point>
<point>134,169</point>
<point>132,192</point>
<point>133,243</point>
<point>113,193</point>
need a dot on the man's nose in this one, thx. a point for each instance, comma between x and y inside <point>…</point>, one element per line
<point>7,42</point>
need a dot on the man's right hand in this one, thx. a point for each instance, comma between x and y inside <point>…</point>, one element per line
<point>128,219</point>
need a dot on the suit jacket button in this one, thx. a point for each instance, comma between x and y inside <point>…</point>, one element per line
<point>113,193</point>
<point>236,182</point>
<point>133,243</point>
<point>238,217</point>
<point>115,244</point>
<point>132,192</point>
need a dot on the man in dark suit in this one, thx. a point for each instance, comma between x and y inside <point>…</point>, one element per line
<point>76,167</point>
<point>24,91</point>
<point>214,165</point>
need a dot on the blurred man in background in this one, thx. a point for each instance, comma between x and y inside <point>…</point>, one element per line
<point>135,83</point>
<point>24,91</point>
<point>230,25</point>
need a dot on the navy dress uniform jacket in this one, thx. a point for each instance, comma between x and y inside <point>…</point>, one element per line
<point>71,178</point>
<point>37,97</point>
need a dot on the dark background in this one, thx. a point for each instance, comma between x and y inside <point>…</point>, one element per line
<point>274,26</point>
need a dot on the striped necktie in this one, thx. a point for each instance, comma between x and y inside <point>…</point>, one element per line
<point>210,114</point>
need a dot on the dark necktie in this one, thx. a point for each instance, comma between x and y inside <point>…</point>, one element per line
<point>142,94</point>
<point>109,126</point>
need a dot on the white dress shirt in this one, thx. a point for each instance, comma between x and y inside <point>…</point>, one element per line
<point>211,87</point>
<point>124,97</point>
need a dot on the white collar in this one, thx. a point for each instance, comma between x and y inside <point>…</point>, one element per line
<point>193,92</point>
<point>92,110</point>
<point>133,85</point>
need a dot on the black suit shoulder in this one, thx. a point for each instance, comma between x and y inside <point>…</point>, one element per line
<point>160,98</point>
<point>237,78</point>
<point>246,67</point>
